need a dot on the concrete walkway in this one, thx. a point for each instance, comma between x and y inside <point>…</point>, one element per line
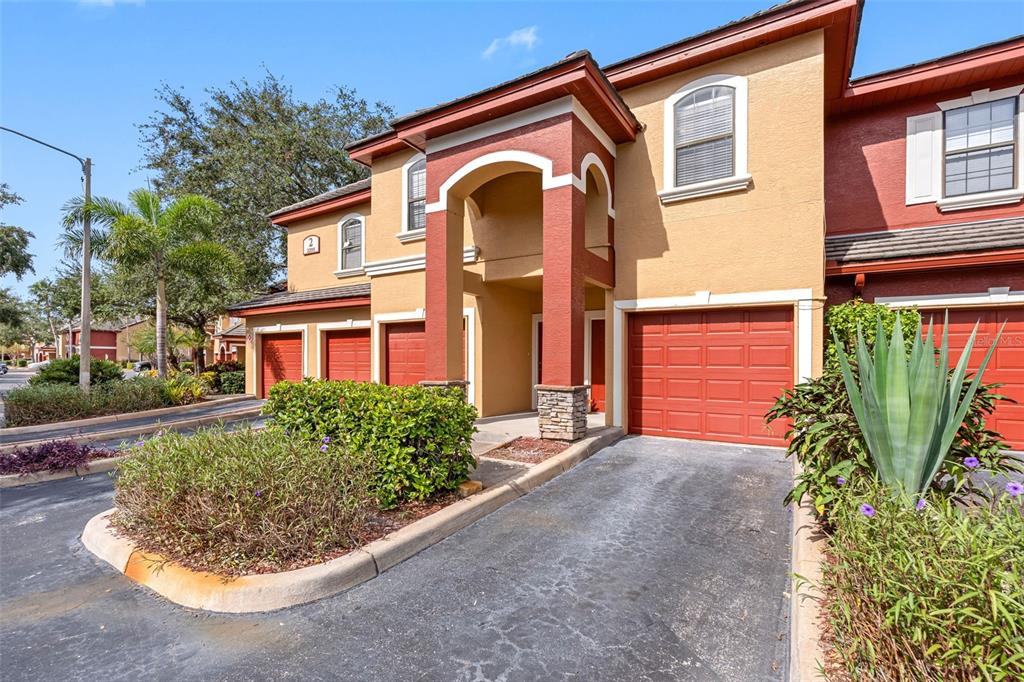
<point>653,560</point>
<point>495,431</point>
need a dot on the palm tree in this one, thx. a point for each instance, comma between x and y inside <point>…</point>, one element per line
<point>150,237</point>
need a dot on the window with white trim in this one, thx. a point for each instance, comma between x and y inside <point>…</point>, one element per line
<point>703,135</point>
<point>979,147</point>
<point>350,244</point>
<point>416,202</point>
<point>705,139</point>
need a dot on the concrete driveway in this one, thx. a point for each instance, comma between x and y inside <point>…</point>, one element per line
<point>653,560</point>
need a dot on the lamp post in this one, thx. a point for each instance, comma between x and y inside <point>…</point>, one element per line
<point>84,345</point>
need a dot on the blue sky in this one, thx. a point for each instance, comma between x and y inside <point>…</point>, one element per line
<point>81,74</point>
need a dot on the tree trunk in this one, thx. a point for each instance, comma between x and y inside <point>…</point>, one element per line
<point>161,327</point>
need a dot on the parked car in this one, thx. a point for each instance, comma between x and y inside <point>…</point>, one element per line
<point>142,366</point>
<point>3,368</point>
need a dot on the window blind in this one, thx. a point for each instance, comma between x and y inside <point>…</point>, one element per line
<point>704,135</point>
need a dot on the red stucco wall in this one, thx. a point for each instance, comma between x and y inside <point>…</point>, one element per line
<point>927,283</point>
<point>865,169</point>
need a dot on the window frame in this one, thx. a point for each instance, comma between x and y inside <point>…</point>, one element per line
<point>1014,142</point>
<point>346,272</point>
<point>740,178</point>
<point>407,233</point>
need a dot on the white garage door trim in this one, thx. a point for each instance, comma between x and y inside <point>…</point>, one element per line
<point>994,296</point>
<point>802,298</point>
<point>322,327</point>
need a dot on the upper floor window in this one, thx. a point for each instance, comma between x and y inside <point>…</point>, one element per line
<point>704,135</point>
<point>417,199</point>
<point>965,153</point>
<point>350,244</point>
<point>706,139</point>
<point>979,147</point>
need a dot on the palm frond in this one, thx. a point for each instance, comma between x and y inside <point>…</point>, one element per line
<point>191,217</point>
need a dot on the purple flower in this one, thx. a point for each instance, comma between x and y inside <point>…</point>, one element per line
<point>840,480</point>
<point>327,439</point>
<point>921,504</point>
<point>139,443</point>
<point>971,462</point>
<point>323,448</point>
<point>1013,488</point>
<point>867,510</point>
<point>258,493</point>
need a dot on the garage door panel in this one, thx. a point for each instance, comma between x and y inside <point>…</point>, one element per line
<point>347,355</point>
<point>281,359</point>
<point>1006,366</point>
<point>406,353</point>
<point>745,359</point>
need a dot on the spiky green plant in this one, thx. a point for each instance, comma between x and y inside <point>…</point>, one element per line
<point>909,407</point>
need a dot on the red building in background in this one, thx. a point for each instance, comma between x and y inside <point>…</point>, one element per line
<point>924,181</point>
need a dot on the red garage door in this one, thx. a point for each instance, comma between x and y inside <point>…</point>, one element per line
<point>282,359</point>
<point>1006,366</point>
<point>709,375</point>
<point>406,353</point>
<point>347,355</point>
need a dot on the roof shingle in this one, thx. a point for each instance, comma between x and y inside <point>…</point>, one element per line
<point>343,191</point>
<point>981,235</point>
<point>311,296</point>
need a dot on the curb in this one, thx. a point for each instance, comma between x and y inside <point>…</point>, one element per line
<point>271,591</point>
<point>97,466</point>
<point>113,418</point>
<point>137,430</point>
<point>805,650</point>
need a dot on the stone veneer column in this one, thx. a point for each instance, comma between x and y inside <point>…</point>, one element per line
<point>562,411</point>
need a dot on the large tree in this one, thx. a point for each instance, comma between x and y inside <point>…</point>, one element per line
<point>14,256</point>
<point>253,148</point>
<point>150,240</point>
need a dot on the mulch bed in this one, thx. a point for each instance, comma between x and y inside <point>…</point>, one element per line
<point>528,450</point>
<point>379,523</point>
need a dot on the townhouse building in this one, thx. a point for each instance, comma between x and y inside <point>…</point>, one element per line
<point>657,239</point>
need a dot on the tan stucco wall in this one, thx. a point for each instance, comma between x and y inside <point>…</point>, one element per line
<point>504,356</point>
<point>316,271</point>
<point>770,237</point>
<point>386,222</point>
<point>506,223</point>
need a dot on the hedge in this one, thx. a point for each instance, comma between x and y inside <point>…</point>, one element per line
<point>48,403</point>
<point>65,371</point>
<point>418,438</point>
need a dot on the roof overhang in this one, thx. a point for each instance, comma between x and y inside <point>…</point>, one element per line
<point>577,76</point>
<point>838,18</point>
<point>960,260</point>
<point>296,307</point>
<point>329,206</point>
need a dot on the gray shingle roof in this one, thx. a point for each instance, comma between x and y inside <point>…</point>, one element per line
<point>236,330</point>
<point>343,191</point>
<point>981,235</point>
<point>313,295</point>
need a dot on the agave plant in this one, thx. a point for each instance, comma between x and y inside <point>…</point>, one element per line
<point>909,408</point>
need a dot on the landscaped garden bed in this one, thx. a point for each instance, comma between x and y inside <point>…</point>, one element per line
<point>53,456</point>
<point>528,450</point>
<point>340,465</point>
<point>923,574</point>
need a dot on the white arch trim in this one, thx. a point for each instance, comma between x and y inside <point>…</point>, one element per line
<point>592,159</point>
<point>544,164</point>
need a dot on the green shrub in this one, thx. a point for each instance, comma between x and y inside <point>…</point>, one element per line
<point>184,389</point>
<point>23,363</point>
<point>419,438</point>
<point>241,501</point>
<point>188,366</point>
<point>49,403</point>
<point>825,439</point>
<point>65,371</point>
<point>926,594</point>
<point>842,320</point>
<point>232,382</point>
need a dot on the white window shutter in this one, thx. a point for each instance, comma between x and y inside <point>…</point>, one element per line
<point>924,158</point>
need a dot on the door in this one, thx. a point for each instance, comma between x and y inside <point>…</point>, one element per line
<point>281,361</point>
<point>406,353</point>
<point>709,375</point>
<point>347,355</point>
<point>597,366</point>
<point>1006,366</point>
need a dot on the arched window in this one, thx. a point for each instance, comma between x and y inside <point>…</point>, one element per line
<point>416,201</point>
<point>350,244</point>
<point>704,135</point>
<point>706,139</point>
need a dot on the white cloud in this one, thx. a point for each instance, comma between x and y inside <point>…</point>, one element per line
<point>525,38</point>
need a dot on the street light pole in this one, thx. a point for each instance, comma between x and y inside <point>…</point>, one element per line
<point>84,345</point>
